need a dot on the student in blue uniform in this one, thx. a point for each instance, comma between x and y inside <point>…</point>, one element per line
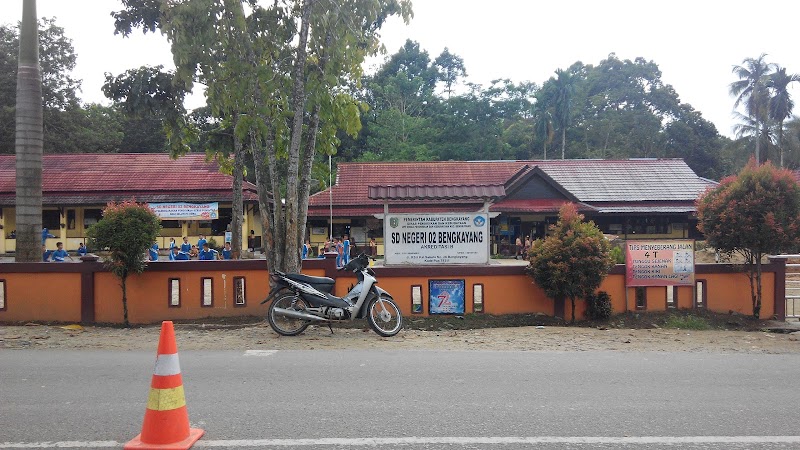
<point>177,255</point>
<point>153,252</point>
<point>186,246</point>
<point>227,251</point>
<point>201,241</point>
<point>207,254</point>
<point>60,253</point>
<point>46,234</point>
<point>82,250</point>
<point>46,254</point>
<point>172,244</point>
<point>345,250</point>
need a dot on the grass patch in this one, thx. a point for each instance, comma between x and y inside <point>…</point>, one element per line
<point>687,322</point>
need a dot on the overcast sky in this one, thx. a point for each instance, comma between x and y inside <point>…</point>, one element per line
<point>695,43</point>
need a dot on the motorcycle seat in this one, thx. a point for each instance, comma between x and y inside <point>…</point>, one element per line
<point>324,284</point>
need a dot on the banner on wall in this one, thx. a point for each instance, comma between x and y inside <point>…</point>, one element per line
<point>447,296</point>
<point>659,263</point>
<point>436,238</point>
<point>186,211</point>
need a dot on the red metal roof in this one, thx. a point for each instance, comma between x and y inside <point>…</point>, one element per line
<point>427,192</point>
<point>589,181</point>
<point>369,210</point>
<point>97,178</point>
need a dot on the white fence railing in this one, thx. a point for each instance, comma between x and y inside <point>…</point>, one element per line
<point>792,287</point>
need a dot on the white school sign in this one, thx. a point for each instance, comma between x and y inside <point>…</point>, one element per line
<point>436,238</point>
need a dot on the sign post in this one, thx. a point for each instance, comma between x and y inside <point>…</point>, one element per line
<point>659,263</point>
<point>436,238</point>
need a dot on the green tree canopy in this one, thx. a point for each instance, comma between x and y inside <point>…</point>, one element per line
<point>572,260</point>
<point>754,213</point>
<point>276,72</point>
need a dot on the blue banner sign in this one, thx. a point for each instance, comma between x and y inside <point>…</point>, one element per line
<point>447,296</point>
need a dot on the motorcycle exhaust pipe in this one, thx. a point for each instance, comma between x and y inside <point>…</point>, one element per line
<point>297,314</point>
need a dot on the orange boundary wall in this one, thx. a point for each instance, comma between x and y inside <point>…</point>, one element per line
<point>87,293</point>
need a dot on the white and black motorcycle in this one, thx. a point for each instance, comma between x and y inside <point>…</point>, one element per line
<point>302,300</point>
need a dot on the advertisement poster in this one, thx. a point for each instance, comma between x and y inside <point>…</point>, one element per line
<point>659,263</point>
<point>436,238</point>
<point>447,296</point>
<point>186,211</point>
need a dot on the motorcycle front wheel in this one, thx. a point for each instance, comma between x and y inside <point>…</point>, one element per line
<point>284,325</point>
<point>384,316</point>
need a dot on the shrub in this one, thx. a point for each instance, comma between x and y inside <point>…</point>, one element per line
<point>598,307</point>
<point>572,260</point>
<point>126,230</point>
<point>617,255</point>
<point>688,322</point>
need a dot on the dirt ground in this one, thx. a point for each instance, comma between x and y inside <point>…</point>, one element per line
<point>628,333</point>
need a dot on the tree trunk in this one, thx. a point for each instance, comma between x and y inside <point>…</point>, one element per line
<point>238,203</point>
<point>780,141</point>
<point>563,141</point>
<point>270,208</point>
<point>305,173</point>
<point>29,137</point>
<point>291,247</point>
<point>310,149</point>
<point>758,126</point>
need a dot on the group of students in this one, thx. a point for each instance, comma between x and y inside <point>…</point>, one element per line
<point>186,251</point>
<point>522,247</point>
<point>342,247</point>
<point>59,254</point>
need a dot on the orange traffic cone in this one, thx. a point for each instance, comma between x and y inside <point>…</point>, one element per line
<point>166,421</point>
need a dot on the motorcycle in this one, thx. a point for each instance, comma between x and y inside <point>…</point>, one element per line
<point>302,300</point>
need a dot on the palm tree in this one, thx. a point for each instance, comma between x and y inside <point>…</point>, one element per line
<point>29,136</point>
<point>543,120</point>
<point>565,88</point>
<point>763,134</point>
<point>751,90</point>
<point>781,103</point>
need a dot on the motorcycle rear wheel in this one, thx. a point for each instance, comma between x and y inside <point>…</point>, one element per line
<point>384,316</point>
<point>283,325</point>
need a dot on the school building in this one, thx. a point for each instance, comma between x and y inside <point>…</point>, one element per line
<point>76,188</point>
<point>650,198</point>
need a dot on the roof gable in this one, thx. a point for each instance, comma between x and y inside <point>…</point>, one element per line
<point>534,183</point>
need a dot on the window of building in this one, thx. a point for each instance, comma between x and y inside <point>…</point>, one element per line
<point>170,224</point>
<point>220,226</point>
<point>672,297</point>
<point>416,299</point>
<point>51,219</point>
<point>70,219</point>
<point>477,298</point>
<point>206,292</point>
<point>91,217</point>
<point>700,294</point>
<point>641,297</point>
<point>3,295</point>
<point>174,293</point>
<point>239,297</point>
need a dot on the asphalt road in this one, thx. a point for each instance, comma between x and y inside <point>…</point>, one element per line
<point>410,399</point>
